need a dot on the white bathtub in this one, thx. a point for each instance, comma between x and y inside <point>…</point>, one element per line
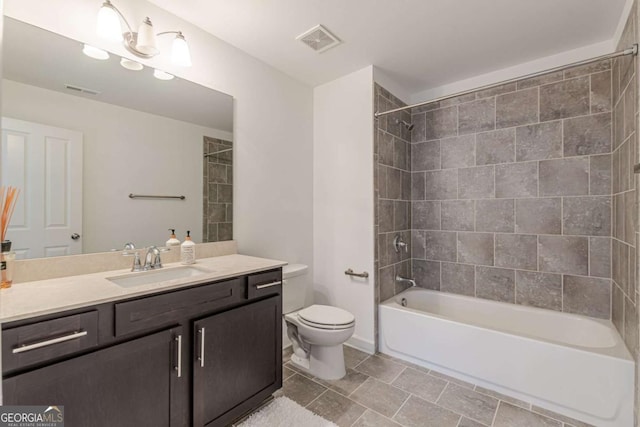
<point>569,364</point>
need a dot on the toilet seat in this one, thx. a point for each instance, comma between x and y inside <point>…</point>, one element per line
<point>326,317</point>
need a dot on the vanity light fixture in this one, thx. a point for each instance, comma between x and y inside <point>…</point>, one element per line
<point>143,42</point>
<point>131,65</point>
<point>95,53</point>
<point>161,75</point>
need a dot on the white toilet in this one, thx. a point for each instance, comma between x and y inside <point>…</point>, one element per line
<point>316,332</point>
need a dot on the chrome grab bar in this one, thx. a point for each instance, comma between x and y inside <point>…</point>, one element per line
<point>268,285</point>
<point>350,272</point>
<point>146,196</point>
<point>201,358</point>
<point>28,347</point>
<point>179,361</point>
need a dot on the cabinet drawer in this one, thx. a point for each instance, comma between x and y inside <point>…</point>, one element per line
<point>38,342</point>
<point>263,284</point>
<point>161,310</point>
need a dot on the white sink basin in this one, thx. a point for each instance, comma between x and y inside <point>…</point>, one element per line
<point>157,276</point>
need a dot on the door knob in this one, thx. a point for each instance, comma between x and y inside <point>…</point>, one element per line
<point>75,236</point>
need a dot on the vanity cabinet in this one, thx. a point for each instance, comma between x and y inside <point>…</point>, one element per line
<point>198,356</point>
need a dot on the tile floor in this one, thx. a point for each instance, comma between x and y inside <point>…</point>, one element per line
<point>381,391</point>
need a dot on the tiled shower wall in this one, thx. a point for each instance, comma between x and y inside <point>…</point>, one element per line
<point>625,196</point>
<point>217,221</point>
<point>511,192</point>
<point>392,194</point>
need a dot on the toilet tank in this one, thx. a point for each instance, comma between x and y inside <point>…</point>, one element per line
<point>294,288</point>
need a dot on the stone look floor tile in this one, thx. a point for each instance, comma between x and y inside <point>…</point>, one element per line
<point>422,385</point>
<point>345,385</point>
<point>512,416</point>
<point>373,419</point>
<point>466,422</point>
<point>564,419</point>
<point>469,403</point>
<point>420,413</point>
<point>336,408</point>
<point>286,373</point>
<point>353,357</point>
<point>301,389</point>
<point>503,397</point>
<point>379,396</point>
<point>298,370</point>
<point>382,369</point>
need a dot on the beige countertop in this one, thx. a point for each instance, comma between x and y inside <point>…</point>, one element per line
<point>31,299</point>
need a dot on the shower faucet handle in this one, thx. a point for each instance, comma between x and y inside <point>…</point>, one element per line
<point>399,244</point>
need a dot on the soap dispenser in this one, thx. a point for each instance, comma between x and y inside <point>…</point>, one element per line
<point>188,250</point>
<point>173,241</point>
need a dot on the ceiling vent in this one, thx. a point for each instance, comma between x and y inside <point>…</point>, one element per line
<point>319,39</point>
<point>82,89</point>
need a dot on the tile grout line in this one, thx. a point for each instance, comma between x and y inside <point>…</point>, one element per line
<point>401,406</point>
<point>495,415</point>
<point>317,397</point>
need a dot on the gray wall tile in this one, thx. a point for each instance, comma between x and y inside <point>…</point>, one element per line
<point>440,245</point>
<point>539,216</point>
<point>425,156</point>
<point>477,116</point>
<point>441,185</point>
<point>517,108</point>
<point>458,279</point>
<point>495,147</point>
<point>564,177</point>
<point>543,290</point>
<point>426,274</point>
<point>601,92</point>
<point>540,80</point>
<point>600,175</point>
<point>587,216</point>
<point>587,295</point>
<point>476,183</point>
<point>475,248</point>
<point>587,135</point>
<point>458,215</point>
<point>581,70</point>
<point>458,152</point>
<point>496,284</point>
<point>517,180</point>
<point>563,254</point>
<point>516,251</point>
<point>495,215</point>
<point>568,98</point>
<point>441,123</point>
<point>417,186</point>
<point>600,256</point>
<point>418,134</point>
<point>425,215</point>
<point>540,141</point>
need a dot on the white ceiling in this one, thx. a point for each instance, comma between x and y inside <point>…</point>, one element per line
<point>421,44</point>
<point>38,57</point>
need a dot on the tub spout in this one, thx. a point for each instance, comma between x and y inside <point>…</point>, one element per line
<point>401,279</point>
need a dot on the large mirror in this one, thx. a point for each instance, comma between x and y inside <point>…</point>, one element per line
<point>104,155</point>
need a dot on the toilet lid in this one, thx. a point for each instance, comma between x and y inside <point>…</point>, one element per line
<point>326,315</point>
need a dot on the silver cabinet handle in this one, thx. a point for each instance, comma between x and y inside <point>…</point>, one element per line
<point>201,358</point>
<point>179,358</point>
<point>268,285</point>
<point>28,347</point>
<point>350,272</point>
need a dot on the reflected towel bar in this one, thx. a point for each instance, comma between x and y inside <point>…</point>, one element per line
<point>144,196</point>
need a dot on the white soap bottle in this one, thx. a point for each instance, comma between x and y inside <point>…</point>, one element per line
<point>173,241</point>
<point>188,251</point>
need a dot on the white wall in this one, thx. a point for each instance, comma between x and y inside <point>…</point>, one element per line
<point>124,151</point>
<point>272,121</point>
<point>343,198</point>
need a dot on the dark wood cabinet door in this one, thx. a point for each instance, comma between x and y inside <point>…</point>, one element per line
<point>237,361</point>
<point>130,384</point>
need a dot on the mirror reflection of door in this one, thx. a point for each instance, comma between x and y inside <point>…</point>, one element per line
<point>45,163</point>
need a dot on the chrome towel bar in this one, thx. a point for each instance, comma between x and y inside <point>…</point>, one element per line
<point>145,196</point>
<point>350,272</point>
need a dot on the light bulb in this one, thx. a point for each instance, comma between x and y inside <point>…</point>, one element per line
<point>108,26</point>
<point>95,53</point>
<point>161,75</point>
<point>146,42</point>
<point>180,52</point>
<point>131,65</point>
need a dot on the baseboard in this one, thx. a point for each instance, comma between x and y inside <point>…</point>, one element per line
<point>362,344</point>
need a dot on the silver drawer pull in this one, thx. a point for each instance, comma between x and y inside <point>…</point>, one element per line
<point>201,358</point>
<point>179,361</point>
<point>268,285</point>
<point>25,347</point>
<point>350,272</point>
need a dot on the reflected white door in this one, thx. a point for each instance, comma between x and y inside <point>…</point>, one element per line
<point>45,163</point>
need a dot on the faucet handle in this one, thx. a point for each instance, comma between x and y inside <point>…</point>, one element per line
<point>137,264</point>
<point>158,261</point>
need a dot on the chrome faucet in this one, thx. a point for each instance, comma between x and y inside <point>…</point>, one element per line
<point>401,279</point>
<point>398,244</point>
<point>152,259</point>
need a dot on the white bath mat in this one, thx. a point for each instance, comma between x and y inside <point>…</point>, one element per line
<point>284,412</point>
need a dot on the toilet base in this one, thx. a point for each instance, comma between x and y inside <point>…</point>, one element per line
<point>324,362</point>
